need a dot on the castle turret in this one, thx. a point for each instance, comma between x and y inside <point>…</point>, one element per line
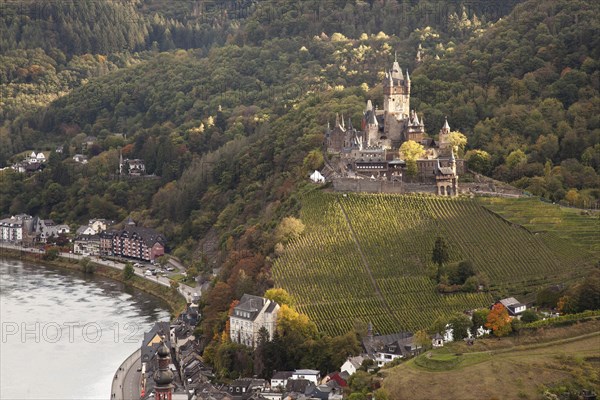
<point>396,70</point>
<point>444,137</point>
<point>396,99</point>
<point>370,125</point>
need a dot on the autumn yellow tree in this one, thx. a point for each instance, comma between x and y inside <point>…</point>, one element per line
<point>411,151</point>
<point>422,339</point>
<point>458,141</point>
<point>291,321</point>
<point>289,228</point>
<point>279,296</point>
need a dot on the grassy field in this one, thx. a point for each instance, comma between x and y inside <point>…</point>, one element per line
<point>366,257</point>
<point>558,225</point>
<point>521,372</point>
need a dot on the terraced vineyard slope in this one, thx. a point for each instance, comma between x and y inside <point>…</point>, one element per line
<point>365,257</point>
<point>564,227</point>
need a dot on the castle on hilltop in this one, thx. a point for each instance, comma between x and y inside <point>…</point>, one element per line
<point>372,151</point>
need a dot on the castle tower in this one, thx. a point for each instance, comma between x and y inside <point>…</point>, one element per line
<point>370,125</point>
<point>163,376</point>
<point>444,138</point>
<point>396,99</point>
<point>415,129</point>
<point>453,162</point>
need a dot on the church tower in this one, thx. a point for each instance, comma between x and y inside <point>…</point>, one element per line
<point>163,377</point>
<point>396,99</point>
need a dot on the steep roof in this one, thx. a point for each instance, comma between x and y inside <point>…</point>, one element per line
<point>250,306</point>
<point>147,235</point>
<point>282,375</point>
<point>372,344</point>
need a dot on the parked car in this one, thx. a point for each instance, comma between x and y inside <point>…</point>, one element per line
<point>170,269</point>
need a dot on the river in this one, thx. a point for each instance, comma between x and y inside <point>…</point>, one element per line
<point>64,333</point>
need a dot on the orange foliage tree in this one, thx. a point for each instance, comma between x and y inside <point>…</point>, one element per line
<point>498,320</point>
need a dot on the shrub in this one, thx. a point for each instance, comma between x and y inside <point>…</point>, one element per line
<point>529,316</point>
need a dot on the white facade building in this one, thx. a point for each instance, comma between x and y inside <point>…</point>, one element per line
<point>514,307</point>
<point>13,229</point>
<point>46,228</point>
<point>249,316</point>
<point>352,364</point>
<point>311,375</point>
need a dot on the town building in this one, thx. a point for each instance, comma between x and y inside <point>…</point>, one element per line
<point>514,306</point>
<point>280,378</point>
<point>133,167</point>
<point>88,240</point>
<point>352,364</point>
<point>249,316</point>
<point>311,375</point>
<point>88,245</point>
<point>245,388</point>
<point>386,348</point>
<point>47,228</point>
<point>133,242</point>
<point>15,229</point>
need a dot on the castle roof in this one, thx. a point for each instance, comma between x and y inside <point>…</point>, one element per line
<point>446,126</point>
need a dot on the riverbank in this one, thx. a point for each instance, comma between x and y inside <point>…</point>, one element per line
<point>174,299</point>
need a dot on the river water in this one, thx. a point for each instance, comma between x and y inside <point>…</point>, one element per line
<point>64,334</point>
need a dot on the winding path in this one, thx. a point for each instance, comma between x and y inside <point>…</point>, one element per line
<point>367,267</point>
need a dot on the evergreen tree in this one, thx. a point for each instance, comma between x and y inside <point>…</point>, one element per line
<point>261,353</point>
<point>440,254</point>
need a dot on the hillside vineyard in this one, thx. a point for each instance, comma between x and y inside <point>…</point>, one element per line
<point>366,257</point>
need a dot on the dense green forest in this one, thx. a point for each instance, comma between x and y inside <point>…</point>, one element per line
<point>225,100</point>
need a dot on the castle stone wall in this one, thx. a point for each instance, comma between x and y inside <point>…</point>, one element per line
<point>370,186</point>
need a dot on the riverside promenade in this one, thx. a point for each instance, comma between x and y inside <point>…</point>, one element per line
<point>126,383</point>
<point>184,290</point>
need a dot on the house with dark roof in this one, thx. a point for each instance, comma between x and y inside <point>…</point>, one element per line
<point>386,348</point>
<point>312,375</point>
<point>46,228</point>
<point>280,378</point>
<point>88,245</point>
<point>133,241</point>
<point>514,307</point>
<point>437,341</point>
<point>352,364</point>
<point>152,340</point>
<point>327,392</point>
<point>249,316</point>
<point>297,387</point>
<point>340,379</point>
<point>16,228</point>
<point>244,388</point>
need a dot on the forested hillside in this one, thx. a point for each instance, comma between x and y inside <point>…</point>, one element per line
<point>526,91</point>
<point>227,102</point>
